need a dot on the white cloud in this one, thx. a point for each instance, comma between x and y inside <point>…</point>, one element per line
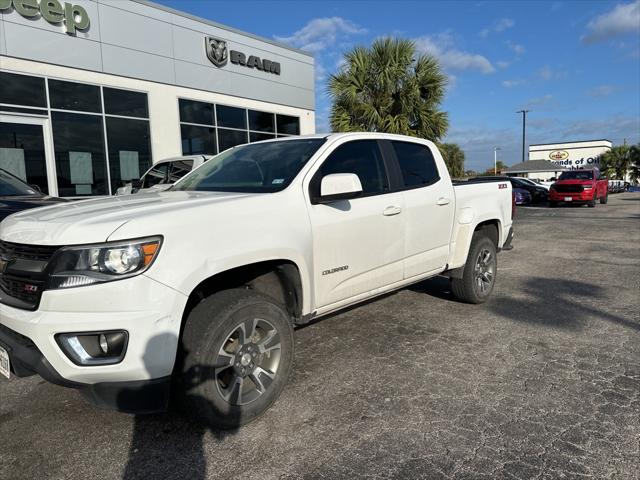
<point>624,18</point>
<point>498,26</point>
<point>602,91</point>
<point>511,83</point>
<point>442,47</point>
<point>539,100</point>
<point>321,33</point>
<point>547,73</point>
<point>502,64</point>
<point>516,47</point>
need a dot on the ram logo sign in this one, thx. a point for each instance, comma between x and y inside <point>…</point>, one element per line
<point>218,53</point>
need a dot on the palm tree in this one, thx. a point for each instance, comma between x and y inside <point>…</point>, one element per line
<point>454,158</point>
<point>388,88</point>
<point>634,161</point>
<point>615,162</point>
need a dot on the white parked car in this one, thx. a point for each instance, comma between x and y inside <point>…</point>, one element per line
<point>198,289</point>
<point>163,174</point>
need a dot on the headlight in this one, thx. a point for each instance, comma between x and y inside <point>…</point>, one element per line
<point>587,186</point>
<point>89,264</point>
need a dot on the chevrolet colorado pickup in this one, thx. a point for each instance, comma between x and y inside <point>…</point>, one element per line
<point>579,186</point>
<point>194,292</point>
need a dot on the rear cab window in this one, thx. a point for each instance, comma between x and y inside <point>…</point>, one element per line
<point>417,164</point>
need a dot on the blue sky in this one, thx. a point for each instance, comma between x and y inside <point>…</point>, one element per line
<point>574,64</point>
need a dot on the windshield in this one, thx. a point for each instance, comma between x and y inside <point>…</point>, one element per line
<point>256,168</point>
<point>577,175</point>
<point>10,186</point>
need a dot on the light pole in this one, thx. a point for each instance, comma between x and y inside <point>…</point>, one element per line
<point>524,123</point>
<point>495,160</point>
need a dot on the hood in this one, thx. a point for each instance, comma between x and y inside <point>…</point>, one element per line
<point>11,205</point>
<point>91,221</point>
<point>574,181</point>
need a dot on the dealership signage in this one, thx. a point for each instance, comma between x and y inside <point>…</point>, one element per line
<point>73,17</point>
<point>218,53</point>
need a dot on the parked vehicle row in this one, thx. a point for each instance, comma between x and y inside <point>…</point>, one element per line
<point>195,290</point>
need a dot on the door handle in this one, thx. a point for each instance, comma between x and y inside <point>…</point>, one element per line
<point>443,201</point>
<point>391,210</point>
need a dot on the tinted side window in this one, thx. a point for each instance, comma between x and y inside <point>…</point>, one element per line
<point>74,96</point>
<point>22,90</point>
<point>362,158</point>
<point>416,163</point>
<point>158,174</point>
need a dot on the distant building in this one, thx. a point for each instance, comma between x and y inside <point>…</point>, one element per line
<point>571,155</point>
<point>537,169</point>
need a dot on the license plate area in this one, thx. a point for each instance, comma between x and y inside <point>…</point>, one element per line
<point>5,369</point>
<point>568,199</point>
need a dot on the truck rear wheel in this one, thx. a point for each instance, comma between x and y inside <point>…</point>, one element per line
<point>479,274</point>
<point>236,359</point>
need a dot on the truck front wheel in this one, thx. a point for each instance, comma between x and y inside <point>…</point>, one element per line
<point>592,203</point>
<point>479,274</point>
<point>237,352</point>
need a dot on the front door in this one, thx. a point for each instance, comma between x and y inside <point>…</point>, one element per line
<point>25,151</point>
<point>358,244</point>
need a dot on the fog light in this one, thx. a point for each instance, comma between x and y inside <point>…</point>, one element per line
<point>94,348</point>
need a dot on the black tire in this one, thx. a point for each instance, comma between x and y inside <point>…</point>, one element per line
<point>592,203</point>
<point>553,204</point>
<point>604,199</point>
<point>469,288</point>
<point>215,349</point>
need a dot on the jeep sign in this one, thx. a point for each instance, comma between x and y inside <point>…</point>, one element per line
<point>74,17</point>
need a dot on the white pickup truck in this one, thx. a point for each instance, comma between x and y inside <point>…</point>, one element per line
<point>196,291</point>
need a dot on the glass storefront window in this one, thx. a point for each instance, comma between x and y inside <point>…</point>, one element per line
<point>22,153</point>
<point>196,112</point>
<point>258,137</point>
<point>129,150</point>
<point>233,128</point>
<point>231,117</point>
<point>81,167</point>
<point>74,96</point>
<point>22,90</point>
<point>261,121</point>
<point>288,125</point>
<point>231,138</point>
<point>125,103</point>
<point>196,140</point>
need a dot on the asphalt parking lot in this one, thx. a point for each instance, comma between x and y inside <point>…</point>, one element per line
<point>543,381</point>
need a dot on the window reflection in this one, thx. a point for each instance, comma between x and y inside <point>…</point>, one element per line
<point>129,150</point>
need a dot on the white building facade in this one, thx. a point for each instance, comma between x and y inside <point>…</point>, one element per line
<point>92,93</point>
<point>571,155</point>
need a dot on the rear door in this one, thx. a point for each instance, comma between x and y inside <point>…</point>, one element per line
<point>358,244</point>
<point>429,207</point>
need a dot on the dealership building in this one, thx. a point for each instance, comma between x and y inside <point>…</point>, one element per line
<point>92,92</point>
<point>568,155</point>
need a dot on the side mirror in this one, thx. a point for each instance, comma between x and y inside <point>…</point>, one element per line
<point>339,186</point>
<point>136,183</point>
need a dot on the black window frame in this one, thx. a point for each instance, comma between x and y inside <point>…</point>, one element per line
<point>397,180</point>
<point>316,179</point>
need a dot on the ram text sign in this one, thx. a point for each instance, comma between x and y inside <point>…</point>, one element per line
<point>74,17</point>
<point>218,53</point>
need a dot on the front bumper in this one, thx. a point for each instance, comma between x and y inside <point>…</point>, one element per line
<point>149,311</point>
<point>584,196</point>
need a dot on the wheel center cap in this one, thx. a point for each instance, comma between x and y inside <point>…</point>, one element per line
<point>245,359</point>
